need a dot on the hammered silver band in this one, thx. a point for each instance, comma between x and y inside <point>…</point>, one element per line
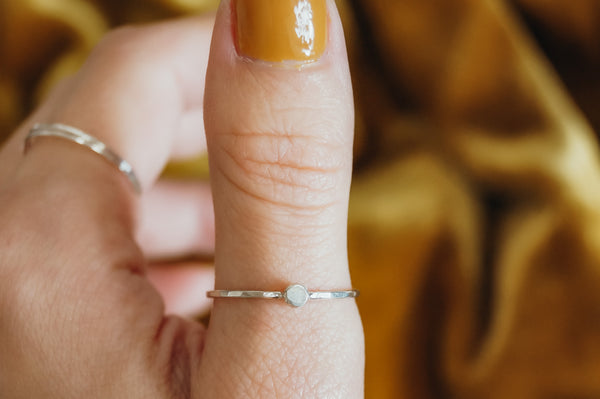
<point>77,136</point>
<point>295,295</point>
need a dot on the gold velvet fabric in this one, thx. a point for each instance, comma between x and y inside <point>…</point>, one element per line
<point>474,230</point>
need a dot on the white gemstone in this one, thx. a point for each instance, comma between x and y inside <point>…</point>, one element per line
<point>296,295</point>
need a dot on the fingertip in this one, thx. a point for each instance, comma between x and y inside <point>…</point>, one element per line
<point>183,287</point>
<point>176,218</point>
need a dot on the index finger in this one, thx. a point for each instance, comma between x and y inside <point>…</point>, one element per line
<point>114,96</point>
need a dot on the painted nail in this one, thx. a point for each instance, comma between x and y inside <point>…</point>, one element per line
<point>281,30</point>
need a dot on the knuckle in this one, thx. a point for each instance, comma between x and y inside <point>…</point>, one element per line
<point>286,169</point>
<point>119,38</point>
<point>125,45</point>
<point>124,35</point>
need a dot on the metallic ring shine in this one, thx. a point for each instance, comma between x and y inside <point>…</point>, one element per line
<point>77,136</point>
<point>295,295</point>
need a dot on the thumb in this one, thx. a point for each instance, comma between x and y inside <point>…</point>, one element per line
<point>279,122</point>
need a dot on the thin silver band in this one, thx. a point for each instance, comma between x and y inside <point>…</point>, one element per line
<point>77,136</point>
<point>295,295</point>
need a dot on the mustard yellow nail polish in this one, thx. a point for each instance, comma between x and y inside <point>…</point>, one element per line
<point>281,30</point>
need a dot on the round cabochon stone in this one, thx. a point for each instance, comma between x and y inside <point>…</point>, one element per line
<point>296,295</point>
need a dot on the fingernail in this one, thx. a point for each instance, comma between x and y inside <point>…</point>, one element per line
<point>281,30</point>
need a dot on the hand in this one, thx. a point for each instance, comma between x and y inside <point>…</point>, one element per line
<point>79,317</point>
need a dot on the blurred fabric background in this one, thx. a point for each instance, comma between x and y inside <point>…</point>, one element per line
<point>474,229</point>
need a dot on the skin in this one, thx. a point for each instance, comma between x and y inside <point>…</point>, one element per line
<point>82,303</point>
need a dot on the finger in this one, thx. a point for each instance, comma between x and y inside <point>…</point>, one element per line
<point>180,284</point>
<point>190,140</point>
<point>280,145</point>
<point>176,219</point>
<point>169,58</point>
<point>184,66</point>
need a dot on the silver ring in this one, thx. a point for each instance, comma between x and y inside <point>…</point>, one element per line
<point>295,295</point>
<point>77,136</point>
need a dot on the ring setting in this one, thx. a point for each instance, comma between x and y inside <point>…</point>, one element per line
<point>296,295</point>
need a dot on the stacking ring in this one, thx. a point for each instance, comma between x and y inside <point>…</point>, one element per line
<point>77,136</point>
<point>295,295</point>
